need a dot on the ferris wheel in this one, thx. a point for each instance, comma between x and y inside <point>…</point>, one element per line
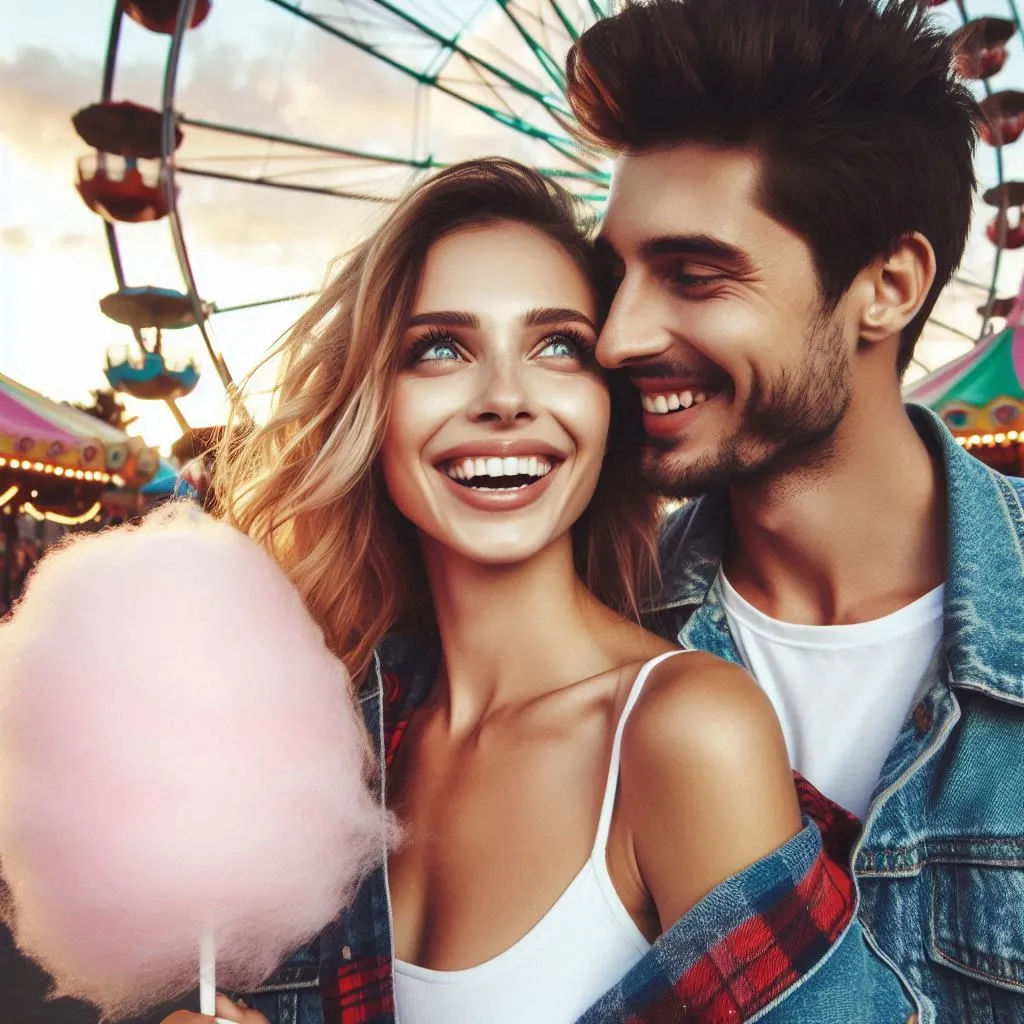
<point>439,80</point>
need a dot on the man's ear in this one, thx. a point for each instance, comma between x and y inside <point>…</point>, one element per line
<point>893,288</point>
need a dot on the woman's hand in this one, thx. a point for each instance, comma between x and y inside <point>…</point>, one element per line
<point>237,1013</point>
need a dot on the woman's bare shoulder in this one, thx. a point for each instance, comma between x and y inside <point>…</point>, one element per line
<point>697,701</point>
<point>705,783</point>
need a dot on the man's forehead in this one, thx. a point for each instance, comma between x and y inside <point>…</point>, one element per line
<point>686,189</point>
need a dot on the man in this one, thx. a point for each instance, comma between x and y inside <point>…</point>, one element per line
<point>792,189</point>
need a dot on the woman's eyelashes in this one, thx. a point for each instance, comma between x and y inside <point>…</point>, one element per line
<point>441,346</point>
<point>567,344</point>
<point>434,346</point>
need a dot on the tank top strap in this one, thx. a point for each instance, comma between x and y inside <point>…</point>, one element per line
<point>611,786</point>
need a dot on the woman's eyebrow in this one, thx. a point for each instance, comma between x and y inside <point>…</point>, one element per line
<point>445,318</point>
<point>553,315</point>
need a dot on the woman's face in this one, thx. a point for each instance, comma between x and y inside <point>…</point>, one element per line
<point>499,414</point>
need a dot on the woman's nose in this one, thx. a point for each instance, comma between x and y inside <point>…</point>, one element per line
<point>504,395</point>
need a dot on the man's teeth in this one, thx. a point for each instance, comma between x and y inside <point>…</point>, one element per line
<point>673,401</point>
<point>492,466</point>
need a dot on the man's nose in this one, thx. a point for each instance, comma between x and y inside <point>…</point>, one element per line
<point>635,329</point>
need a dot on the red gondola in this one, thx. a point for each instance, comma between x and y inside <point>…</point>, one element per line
<point>980,46</point>
<point>1004,117</point>
<point>162,15</point>
<point>1001,231</point>
<point>126,129</point>
<point>118,190</point>
<point>998,307</point>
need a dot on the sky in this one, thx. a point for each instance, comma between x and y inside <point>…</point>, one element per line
<point>255,65</point>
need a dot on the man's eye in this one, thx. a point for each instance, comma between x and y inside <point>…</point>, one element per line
<point>695,281</point>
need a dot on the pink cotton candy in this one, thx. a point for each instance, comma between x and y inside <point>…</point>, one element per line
<point>178,749</point>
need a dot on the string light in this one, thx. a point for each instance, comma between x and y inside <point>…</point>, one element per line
<point>56,517</point>
<point>992,440</point>
<point>52,469</point>
<point>8,494</point>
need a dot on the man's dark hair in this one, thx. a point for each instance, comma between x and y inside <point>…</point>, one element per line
<point>865,132</point>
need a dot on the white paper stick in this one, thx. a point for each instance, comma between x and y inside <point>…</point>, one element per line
<point>207,972</point>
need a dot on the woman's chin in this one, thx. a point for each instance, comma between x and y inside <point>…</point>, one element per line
<point>497,545</point>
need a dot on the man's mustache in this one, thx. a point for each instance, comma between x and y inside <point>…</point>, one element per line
<point>662,370</point>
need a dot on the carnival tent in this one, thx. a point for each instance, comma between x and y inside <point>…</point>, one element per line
<point>44,438</point>
<point>980,396</point>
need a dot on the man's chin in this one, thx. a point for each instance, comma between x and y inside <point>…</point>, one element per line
<point>673,475</point>
<point>674,472</point>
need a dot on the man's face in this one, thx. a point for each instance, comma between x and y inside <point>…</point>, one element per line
<point>742,370</point>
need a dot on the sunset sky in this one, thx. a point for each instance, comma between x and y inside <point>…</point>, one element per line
<point>250,64</point>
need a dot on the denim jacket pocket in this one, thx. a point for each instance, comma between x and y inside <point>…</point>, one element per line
<point>977,926</point>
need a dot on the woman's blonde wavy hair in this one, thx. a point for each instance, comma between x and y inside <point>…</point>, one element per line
<point>307,485</point>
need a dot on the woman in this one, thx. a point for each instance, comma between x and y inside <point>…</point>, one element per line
<point>446,460</point>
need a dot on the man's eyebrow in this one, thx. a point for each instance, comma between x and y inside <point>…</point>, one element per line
<point>552,315</point>
<point>444,318</point>
<point>694,245</point>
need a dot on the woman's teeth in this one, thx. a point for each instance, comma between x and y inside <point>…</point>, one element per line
<point>673,401</point>
<point>509,471</point>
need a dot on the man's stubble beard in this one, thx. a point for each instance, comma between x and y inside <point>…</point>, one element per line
<point>787,425</point>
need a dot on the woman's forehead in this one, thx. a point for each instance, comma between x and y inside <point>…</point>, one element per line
<point>505,266</point>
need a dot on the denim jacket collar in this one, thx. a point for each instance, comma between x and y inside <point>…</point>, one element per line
<point>984,598</point>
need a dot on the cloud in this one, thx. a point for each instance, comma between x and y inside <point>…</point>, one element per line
<point>16,239</point>
<point>77,240</point>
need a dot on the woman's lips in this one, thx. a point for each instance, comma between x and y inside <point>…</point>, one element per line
<point>499,499</point>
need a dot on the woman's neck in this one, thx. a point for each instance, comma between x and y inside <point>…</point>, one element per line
<point>511,633</point>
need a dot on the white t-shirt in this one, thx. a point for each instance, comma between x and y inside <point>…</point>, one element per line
<point>842,693</point>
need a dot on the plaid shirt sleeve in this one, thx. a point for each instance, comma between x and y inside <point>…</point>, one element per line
<point>758,935</point>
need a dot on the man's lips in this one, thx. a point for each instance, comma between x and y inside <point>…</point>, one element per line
<point>688,406</point>
<point>665,401</point>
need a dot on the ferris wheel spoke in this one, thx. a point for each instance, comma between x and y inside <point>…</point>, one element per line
<point>564,146</point>
<point>551,67</point>
<point>952,330</point>
<point>321,190</point>
<point>290,140</point>
<point>262,302</point>
<point>451,44</point>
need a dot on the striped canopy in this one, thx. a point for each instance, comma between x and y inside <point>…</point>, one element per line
<point>38,432</point>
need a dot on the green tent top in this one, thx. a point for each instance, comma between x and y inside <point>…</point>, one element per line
<point>982,392</point>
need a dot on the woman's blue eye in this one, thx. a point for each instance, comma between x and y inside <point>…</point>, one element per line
<point>433,349</point>
<point>561,347</point>
<point>440,350</point>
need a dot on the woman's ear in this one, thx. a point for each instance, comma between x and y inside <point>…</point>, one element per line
<point>895,287</point>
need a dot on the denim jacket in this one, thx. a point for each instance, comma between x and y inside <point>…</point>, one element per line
<point>940,862</point>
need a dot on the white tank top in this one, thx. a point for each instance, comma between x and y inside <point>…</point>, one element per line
<point>577,951</point>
